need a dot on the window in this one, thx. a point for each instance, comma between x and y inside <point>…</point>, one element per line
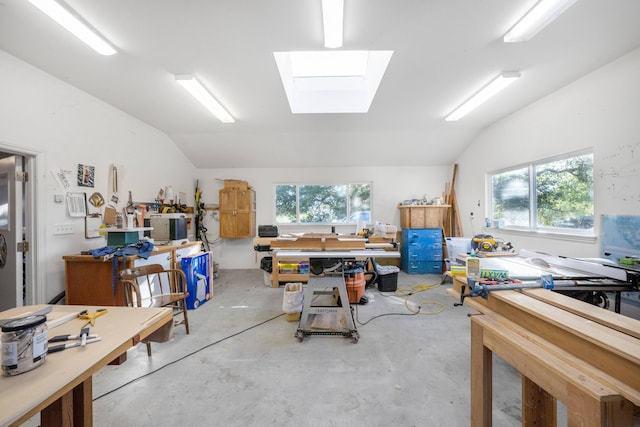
<point>553,195</point>
<point>323,204</point>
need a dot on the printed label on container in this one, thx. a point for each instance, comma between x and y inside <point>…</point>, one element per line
<point>39,346</point>
<point>9,354</point>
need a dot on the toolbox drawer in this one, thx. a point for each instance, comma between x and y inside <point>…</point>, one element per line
<point>422,267</point>
<point>422,234</point>
<point>425,255</point>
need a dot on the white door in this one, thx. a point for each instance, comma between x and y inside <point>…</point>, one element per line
<point>11,263</point>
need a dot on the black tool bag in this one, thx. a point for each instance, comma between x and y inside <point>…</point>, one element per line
<point>268,230</point>
<point>266,264</point>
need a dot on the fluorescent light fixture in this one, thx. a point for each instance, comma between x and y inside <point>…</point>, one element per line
<point>332,20</point>
<point>538,17</point>
<point>198,91</point>
<point>72,24</point>
<point>499,83</point>
<point>338,81</point>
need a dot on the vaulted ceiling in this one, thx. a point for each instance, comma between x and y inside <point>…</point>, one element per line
<point>443,52</point>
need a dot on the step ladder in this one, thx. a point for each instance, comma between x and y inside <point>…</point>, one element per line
<point>331,291</point>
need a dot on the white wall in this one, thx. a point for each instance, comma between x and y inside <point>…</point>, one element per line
<point>66,126</point>
<point>602,111</point>
<point>389,187</point>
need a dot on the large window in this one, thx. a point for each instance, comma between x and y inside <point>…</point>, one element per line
<point>323,204</point>
<point>553,195</point>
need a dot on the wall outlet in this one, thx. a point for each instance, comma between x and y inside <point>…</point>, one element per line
<point>59,229</point>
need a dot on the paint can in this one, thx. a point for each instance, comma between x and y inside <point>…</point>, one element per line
<point>24,344</point>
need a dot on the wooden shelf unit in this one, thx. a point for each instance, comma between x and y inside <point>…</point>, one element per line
<point>423,216</point>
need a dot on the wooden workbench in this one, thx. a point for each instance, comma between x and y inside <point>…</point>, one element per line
<point>565,349</point>
<point>314,245</point>
<point>62,386</point>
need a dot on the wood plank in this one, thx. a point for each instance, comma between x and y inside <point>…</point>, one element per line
<point>608,318</point>
<point>457,228</point>
<point>520,307</point>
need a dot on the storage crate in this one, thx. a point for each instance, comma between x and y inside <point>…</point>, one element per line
<point>287,268</point>
<point>385,230</point>
<point>303,267</point>
<point>387,282</point>
<point>457,246</point>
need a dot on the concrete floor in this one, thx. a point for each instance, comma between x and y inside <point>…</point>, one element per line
<point>242,366</point>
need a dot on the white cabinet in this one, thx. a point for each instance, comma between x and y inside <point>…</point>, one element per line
<point>164,259</point>
<point>186,251</point>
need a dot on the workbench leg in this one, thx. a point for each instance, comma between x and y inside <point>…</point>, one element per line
<point>481,379</point>
<point>59,413</point>
<point>610,411</point>
<point>539,408</point>
<point>74,409</point>
<point>83,403</point>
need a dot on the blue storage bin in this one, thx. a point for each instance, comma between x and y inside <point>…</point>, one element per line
<point>197,269</point>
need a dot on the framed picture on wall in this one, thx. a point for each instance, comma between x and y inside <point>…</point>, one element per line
<point>85,175</point>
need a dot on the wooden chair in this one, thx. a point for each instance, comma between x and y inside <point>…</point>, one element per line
<point>154,286</point>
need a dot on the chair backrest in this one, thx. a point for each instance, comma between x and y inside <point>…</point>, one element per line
<point>142,283</point>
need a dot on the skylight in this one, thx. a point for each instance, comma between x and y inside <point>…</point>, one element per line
<point>331,81</point>
<point>329,63</point>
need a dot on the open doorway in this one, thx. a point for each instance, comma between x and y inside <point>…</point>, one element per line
<point>17,225</point>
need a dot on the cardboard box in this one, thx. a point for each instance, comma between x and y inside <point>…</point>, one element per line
<point>292,317</point>
<point>197,269</point>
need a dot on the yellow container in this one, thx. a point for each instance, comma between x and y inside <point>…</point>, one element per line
<point>473,267</point>
<point>458,270</point>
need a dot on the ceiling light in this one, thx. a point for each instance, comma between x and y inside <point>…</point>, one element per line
<point>538,17</point>
<point>499,83</point>
<point>198,91</point>
<point>332,20</point>
<point>72,24</point>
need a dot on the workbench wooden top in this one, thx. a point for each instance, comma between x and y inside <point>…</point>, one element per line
<point>26,394</point>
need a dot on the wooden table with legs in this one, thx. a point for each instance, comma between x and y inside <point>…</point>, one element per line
<point>565,349</point>
<point>61,388</point>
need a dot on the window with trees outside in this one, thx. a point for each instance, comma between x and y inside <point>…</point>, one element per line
<point>323,204</point>
<point>550,195</point>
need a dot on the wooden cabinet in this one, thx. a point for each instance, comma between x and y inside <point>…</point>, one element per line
<point>90,281</point>
<point>237,213</point>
